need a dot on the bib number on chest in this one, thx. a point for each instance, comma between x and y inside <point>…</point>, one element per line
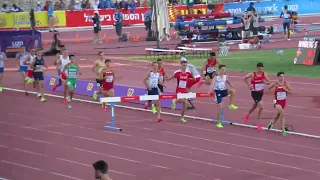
<point>259,87</point>
<point>210,69</point>
<point>182,84</point>
<point>109,79</point>
<point>281,95</point>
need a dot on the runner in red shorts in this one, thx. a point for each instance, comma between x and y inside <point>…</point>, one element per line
<point>28,62</point>
<point>195,73</point>
<point>182,77</point>
<point>107,76</point>
<point>282,88</point>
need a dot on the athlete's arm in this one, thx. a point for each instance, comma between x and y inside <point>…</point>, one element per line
<point>65,68</point>
<point>26,60</point>
<point>18,59</point>
<point>78,71</point>
<point>281,15</point>
<point>288,88</point>
<point>248,76</point>
<point>204,71</point>
<point>228,82</point>
<point>145,80</point>
<point>266,81</point>
<point>273,84</point>
<point>4,56</point>
<point>100,74</point>
<point>94,68</point>
<point>213,81</point>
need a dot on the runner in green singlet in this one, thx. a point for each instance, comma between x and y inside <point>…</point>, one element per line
<point>73,70</point>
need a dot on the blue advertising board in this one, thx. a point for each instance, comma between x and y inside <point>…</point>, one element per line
<point>301,6</point>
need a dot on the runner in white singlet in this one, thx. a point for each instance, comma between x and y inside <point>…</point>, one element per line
<point>3,57</point>
<point>28,62</point>
<point>20,57</point>
<point>62,62</point>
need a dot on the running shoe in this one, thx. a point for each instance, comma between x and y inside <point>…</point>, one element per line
<point>173,106</point>
<point>29,81</point>
<point>95,95</point>
<point>105,109</point>
<point>270,124</point>
<point>43,99</point>
<point>154,109</point>
<point>65,101</point>
<point>219,125</point>
<point>102,105</point>
<point>159,119</point>
<point>246,118</point>
<point>259,127</point>
<point>1,89</point>
<point>232,106</point>
<point>39,95</point>
<point>183,120</point>
<point>68,99</point>
<point>145,106</point>
<point>69,105</point>
<point>27,94</point>
<point>284,133</point>
<point>54,88</point>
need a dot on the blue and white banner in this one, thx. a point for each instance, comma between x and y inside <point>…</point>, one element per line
<point>301,6</point>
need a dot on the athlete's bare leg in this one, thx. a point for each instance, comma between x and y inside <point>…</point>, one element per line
<point>260,110</point>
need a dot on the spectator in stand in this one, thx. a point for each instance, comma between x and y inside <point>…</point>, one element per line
<point>5,8</point>
<point>136,3</point>
<point>132,6</point>
<point>46,6</point>
<point>123,4</point>
<point>56,6</point>
<point>77,6</point>
<point>96,28</point>
<point>62,5</point>
<point>86,4</point>
<point>15,8</point>
<point>71,5</point>
<point>173,2</point>
<point>101,170</point>
<point>118,18</point>
<point>104,4</point>
<point>145,3</point>
<point>250,9</point>
<point>38,7</point>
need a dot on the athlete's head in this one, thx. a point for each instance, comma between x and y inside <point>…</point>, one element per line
<point>101,54</point>
<point>280,76</point>
<point>22,49</point>
<point>100,168</point>
<point>285,7</point>
<point>39,52</point>
<point>260,67</point>
<point>32,51</point>
<point>159,61</point>
<point>155,66</point>
<point>64,51</point>
<point>107,62</point>
<point>72,58</point>
<point>212,55</point>
<point>222,69</point>
<point>184,65</point>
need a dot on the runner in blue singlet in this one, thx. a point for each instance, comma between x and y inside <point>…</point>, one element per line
<point>286,15</point>
<point>21,57</point>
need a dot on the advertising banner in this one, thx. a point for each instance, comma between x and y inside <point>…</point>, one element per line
<point>12,40</point>
<point>301,6</point>
<point>21,20</point>
<point>87,88</point>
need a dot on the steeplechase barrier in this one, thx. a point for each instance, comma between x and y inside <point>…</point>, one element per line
<point>165,113</point>
<point>113,100</point>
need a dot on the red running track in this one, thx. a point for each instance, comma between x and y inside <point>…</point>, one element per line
<point>49,141</point>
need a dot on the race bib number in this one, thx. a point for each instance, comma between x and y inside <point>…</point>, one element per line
<point>182,84</point>
<point>259,87</point>
<point>281,95</point>
<point>109,78</point>
<point>210,69</point>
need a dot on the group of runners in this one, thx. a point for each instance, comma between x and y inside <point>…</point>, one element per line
<point>31,68</point>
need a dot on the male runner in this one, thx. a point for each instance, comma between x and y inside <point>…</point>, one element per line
<point>97,67</point>
<point>219,86</point>
<point>62,62</point>
<point>209,69</point>
<point>3,57</point>
<point>28,62</point>
<point>163,75</point>
<point>287,16</point>
<point>280,99</point>
<point>72,70</point>
<point>151,81</point>
<point>38,76</point>
<point>258,79</point>
<point>20,57</point>
<point>101,170</point>
<point>182,77</point>
<point>195,73</point>
<point>107,81</point>
<point>58,68</point>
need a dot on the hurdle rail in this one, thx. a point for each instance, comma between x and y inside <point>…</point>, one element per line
<point>113,100</point>
<point>165,113</point>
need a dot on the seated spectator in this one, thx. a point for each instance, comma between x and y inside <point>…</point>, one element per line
<point>5,8</point>
<point>15,8</point>
<point>86,4</point>
<point>77,6</point>
<point>173,2</point>
<point>123,4</point>
<point>71,5</point>
<point>136,3</point>
<point>38,7</point>
<point>56,6</point>
<point>145,3</point>
<point>46,6</point>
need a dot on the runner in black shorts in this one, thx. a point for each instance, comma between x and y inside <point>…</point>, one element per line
<point>257,81</point>
<point>38,65</point>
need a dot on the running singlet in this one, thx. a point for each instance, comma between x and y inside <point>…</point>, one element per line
<point>220,83</point>
<point>193,70</point>
<point>153,80</point>
<point>257,82</point>
<point>72,71</point>
<point>162,74</point>
<point>64,62</point>
<point>38,65</point>
<point>107,82</point>
<point>210,65</point>
<point>280,95</point>
<point>1,60</point>
<point>286,16</point>
<point>22,58</point>
<point>182,78</point>
<point>31,59</point>
<point>100,66</point>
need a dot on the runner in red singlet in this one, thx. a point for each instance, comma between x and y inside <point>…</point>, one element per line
<point>107,76</point>
<point>182,77</point>
<point>258,80</point>
<point>209,69</point>
<point>280,99</point>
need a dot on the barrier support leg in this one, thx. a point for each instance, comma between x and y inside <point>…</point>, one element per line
<point>223,121</point>
<point>112,124</point>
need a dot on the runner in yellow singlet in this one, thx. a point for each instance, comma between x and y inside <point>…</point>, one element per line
<point>97,67</point>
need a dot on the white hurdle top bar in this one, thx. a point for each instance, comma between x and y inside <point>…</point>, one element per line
<point>155,97</point>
